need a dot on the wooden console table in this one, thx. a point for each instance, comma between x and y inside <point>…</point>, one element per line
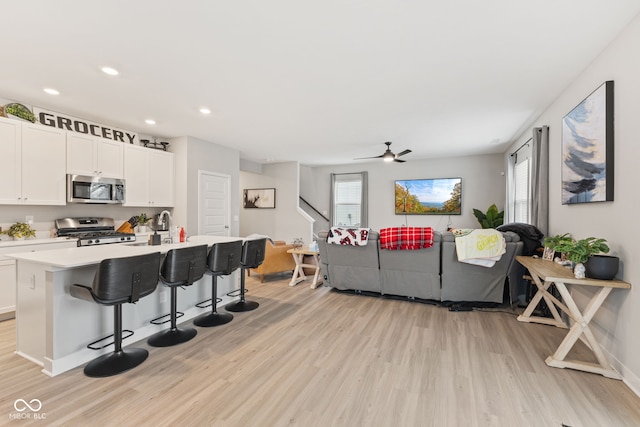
<point>298,273</point>
<point>544,274</point>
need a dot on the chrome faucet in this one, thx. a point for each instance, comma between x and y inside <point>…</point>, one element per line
<point>169,223</point>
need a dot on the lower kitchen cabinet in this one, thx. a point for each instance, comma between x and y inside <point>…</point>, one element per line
<point>8,270</point>
<point>7,287</point>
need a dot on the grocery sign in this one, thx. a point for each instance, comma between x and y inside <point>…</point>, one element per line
<point>19,111</point>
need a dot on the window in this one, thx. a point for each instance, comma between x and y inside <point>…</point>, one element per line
<point>349,199</point>
<point>520,200</point>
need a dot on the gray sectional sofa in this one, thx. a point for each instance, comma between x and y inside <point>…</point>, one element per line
<point>431,274</point>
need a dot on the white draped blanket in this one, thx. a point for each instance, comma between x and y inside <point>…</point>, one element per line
<point>481,247</point>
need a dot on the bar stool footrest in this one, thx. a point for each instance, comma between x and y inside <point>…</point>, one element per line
<point>158,321</point>
<point>237,292</point>
<point>93,345</point>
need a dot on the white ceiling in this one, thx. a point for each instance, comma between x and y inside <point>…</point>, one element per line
<point>318,82</point>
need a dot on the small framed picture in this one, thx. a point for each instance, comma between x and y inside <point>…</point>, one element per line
<point>259,198</point>
<point>548,253</point>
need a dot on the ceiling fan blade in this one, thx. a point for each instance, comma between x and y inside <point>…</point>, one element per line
<point>402,153</point>
<point>374,157</point>
<point>398,160</point>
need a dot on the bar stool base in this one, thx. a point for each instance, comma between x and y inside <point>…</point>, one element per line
<point>116,362</point>
<point>241,306</point>
<point>171,337</point>
<point>212,319</point>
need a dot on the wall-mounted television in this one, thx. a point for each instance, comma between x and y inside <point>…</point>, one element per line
<point>436,196</point>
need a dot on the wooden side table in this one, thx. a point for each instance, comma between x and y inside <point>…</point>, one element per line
<point>298,273</point>
<point>544,274</point>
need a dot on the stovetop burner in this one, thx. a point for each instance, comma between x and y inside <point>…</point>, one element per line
<point>92,231</point>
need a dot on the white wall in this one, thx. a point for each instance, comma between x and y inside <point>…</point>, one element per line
<point>192,155</point>
<point>482,185</point>
<point>616,325</point>
<point>285,222</point>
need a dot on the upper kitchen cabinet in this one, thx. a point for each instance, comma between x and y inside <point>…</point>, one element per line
<point>148,176</point>
<point>10,137</point>
<point>92,156</point>
<point>36,174</point>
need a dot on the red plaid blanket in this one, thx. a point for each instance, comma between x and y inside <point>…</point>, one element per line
<point>406,238</point>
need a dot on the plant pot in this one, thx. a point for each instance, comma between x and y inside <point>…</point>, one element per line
<point>603,267</point>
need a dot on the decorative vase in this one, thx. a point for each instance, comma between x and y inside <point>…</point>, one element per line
<point>579,270</point>
<point>603,267</point>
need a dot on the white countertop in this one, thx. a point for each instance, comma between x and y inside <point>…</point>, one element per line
<point>89,255</point>
<point>27,242</point>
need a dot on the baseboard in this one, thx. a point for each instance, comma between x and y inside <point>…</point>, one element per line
<point>628,377</point>
<point>8,315</point>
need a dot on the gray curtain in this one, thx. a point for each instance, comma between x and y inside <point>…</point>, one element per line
<point>540,179</point>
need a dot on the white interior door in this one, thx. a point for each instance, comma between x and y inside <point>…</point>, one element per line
<point>213,204</point>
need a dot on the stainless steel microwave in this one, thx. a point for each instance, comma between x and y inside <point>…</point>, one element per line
<point>95,189</point>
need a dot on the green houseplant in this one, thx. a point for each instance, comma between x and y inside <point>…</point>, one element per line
<point>491,219</point>
<point>20,230</point>
<point>552,242</point>
<point>580,251</point>
<point>142,221</point>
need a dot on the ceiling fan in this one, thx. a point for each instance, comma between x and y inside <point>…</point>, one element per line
<point>388,155</point>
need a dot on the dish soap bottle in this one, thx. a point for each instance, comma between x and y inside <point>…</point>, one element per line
<point>183,235</point>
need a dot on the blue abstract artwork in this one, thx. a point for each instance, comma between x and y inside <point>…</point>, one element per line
<point>587,149</point>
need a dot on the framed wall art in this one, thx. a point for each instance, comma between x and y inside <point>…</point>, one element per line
<point>587,149</point>
<point>439,196</point>
<point>259,198</point>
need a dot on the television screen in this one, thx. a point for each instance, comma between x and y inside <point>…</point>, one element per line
<point>439,196</point>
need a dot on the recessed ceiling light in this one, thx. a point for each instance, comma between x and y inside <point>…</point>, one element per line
<point>150,122</point>
<point>110,71</point>
<point>51,91</point>
<point>204,110</point>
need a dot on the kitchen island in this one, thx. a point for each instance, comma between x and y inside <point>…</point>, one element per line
<point>53,328</point>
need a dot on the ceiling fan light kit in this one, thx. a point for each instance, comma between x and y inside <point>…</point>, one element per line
<point>388,155</point>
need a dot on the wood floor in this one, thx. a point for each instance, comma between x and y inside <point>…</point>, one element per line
<point>321,358</point>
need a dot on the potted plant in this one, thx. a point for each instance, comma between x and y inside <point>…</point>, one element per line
<point>552,242</point>
<point>20,230</point>
<point>581,251</point>
<point>491,219</point>
<point>142,220</point>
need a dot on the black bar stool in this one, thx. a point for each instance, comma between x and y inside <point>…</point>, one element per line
<point>223,259</point>
<point>181,267</point>
<point>119,281</point>
<point>252,256</point>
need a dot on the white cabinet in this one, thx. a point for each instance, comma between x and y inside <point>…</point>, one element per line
<point>149,176</point>
<point>8,269</point>
<point>7,286</point>
<point>10,137</point>
<point>36,173</point>
<point>87,155</point>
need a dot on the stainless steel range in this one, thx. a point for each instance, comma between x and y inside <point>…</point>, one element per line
<point>92,231</point>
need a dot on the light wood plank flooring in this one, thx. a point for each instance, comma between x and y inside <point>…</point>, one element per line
<point>320,358</point>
